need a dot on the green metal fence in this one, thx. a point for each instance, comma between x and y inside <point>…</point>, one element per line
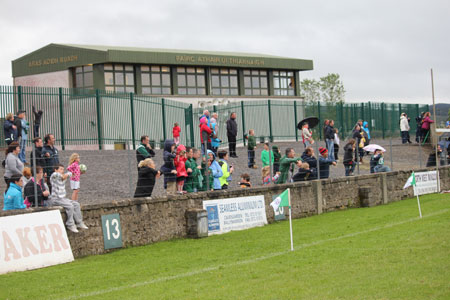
<point>94,117</point>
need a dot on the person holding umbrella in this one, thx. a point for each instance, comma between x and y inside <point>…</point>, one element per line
<point>377,159</point>
<point>305,126</point>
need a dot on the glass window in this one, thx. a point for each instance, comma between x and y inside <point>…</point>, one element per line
<point>223,81</point>
<point>255,82</point>
<point>83,77</point>
<point>156,80</point>
<point>283,83</point>
<point>192,78</point>
<point>119,78</point>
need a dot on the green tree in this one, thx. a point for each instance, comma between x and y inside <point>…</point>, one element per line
<point>332,89</point>
<point>310,90</point>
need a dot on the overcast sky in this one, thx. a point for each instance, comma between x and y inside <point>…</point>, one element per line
<point>383,50</point>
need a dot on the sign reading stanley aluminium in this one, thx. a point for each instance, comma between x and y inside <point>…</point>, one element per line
<point>32,241</point>
<point>235,214</point>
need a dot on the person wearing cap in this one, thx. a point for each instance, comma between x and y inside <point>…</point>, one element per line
<point>22,130</point>
<point>324,162</point>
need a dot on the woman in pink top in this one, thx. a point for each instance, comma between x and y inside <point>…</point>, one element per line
<point>426,125</point>
<point>74,168</point>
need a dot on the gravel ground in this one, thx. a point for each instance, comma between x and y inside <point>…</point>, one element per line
<point>113,174</point>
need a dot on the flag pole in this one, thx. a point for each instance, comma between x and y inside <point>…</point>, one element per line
<point>290,219</point>
<point>418,202</point>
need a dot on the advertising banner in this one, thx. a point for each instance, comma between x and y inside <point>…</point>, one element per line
<point>235,214</point>
<point>426,183</point>
<point>32,241</point>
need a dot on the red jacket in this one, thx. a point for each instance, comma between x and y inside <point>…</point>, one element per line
<point>176,131</point>
<point>180,162</point>
<point>204,127</point>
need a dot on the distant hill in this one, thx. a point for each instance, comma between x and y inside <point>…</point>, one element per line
<point>441,112</point>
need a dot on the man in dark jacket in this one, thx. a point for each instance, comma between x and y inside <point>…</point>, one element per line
<point>50,153</point>
<point>144,150</point>
<point>38,146</point>
<point>42,192</point>
<point>18,124</point>
<point>329,138</point>
<point>168,168</point>
<point>37,121</point>
<point>9,129</point>
<point>232,130</point>
<point>324,162</point>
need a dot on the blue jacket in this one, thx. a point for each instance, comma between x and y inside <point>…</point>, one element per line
<point>13,198</point>
<point>216,172</point>
<point>10,132</point>
<point>366,129</point>
<point>25,127</point>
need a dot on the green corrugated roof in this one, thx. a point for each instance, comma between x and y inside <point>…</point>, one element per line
<point>58,57</point>
<point>160,50</point>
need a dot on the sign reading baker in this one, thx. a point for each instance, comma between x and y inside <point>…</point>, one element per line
<point>32,241</point>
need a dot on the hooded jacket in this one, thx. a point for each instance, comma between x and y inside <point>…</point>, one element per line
<point>180,162</point>
<point>216,172</point>
<point>366,129</point>
<point>169,164</point>
<point>13,198</point>
<point>404,125</point>
<point>9,131</point>
<point>205,128</point>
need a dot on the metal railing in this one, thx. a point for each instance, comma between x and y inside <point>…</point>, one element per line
<point>98,118</point>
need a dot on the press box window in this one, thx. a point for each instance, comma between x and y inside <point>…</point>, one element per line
<point>283,83</point>
<point>255,83</point>
<point>191,81</point>
<point>83,77</point>
<point>119,78</point>
<point>224,81</point>
<point>155,80</point>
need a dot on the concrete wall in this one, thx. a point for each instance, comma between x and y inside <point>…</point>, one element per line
<point>51,79</point>
<point>146,221</point>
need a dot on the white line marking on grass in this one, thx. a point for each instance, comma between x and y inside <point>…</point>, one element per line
<point>248,261</point>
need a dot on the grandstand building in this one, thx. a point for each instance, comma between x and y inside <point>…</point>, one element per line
<point>191,76</point>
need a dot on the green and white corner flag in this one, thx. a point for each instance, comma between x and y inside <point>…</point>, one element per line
<point>411,181</point>
<point>281,200</point>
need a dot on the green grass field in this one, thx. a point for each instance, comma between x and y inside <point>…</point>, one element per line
<point>384,252</point>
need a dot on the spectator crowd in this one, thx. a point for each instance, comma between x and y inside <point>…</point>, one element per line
<point>41,180</point>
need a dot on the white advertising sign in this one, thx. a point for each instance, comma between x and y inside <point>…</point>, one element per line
<point>426,183</point>
<point>32,241</point>
<point>235,214</point>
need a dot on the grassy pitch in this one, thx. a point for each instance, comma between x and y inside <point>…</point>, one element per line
<point>384,252</point>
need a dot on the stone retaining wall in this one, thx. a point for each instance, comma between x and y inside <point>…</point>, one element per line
<point>146,221</point>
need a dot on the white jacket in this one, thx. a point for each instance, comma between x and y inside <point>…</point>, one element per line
<point>404,125</point>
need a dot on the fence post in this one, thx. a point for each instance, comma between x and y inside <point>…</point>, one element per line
<point>133,134</point>
<point>19,97</point>
<point>191,119</point>
<point>243,122</point>
<point>370,116</point>
<point>362,111</point>
<point>341,118</point>
<point>270,121</point>
<point>296,122</point>
<point>163,111</point>
<point>320,121</point>
<point>382,119</point>
<point>61,118</point>
<point>99,124</point>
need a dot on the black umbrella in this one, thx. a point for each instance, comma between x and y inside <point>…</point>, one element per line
<point>312,122</point>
